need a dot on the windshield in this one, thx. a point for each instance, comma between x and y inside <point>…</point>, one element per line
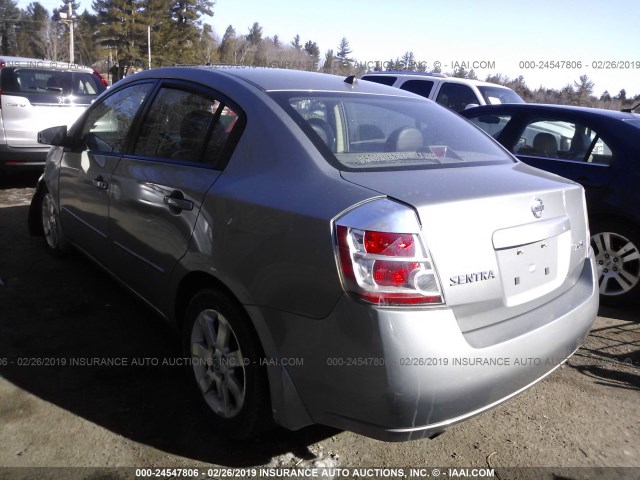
<point>33,80</point>
<point>376,132</point>
<point>497,95</point>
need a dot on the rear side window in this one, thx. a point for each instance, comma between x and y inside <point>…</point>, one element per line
<point>419,87</point>
<point>389,81</point>
<point>107,124</point>
<point>456,96</point>
<point>186,125</point>
<point>58,82</point>
<point>563,140</point>
<point>378,132</point>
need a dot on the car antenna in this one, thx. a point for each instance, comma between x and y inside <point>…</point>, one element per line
<point>625,110</point>
<point>351,80</point>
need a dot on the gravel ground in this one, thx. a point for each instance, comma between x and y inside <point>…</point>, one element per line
<point>586,414</point>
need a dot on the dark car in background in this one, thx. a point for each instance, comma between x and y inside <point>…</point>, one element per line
<point>36,94</point>
<point>599,149</point>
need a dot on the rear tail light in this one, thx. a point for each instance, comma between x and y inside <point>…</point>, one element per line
<point>386,268</point>
<point>102,80</point>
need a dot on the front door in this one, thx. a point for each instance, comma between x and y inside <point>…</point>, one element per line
<point>85,172</point>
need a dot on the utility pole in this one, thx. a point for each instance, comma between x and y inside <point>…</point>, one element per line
<point>68,19</point>
<point>71,52</point>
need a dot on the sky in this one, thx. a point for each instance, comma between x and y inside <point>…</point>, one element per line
<point>550,42</point>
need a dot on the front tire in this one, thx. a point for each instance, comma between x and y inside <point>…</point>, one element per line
<point>616,246</point>
<point>56,242</point>
<point>225,365</point>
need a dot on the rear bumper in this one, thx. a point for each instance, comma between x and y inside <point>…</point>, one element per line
<point>399,375</point>
<point>22,158</point>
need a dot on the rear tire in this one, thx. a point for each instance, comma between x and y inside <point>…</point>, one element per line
<point>55,240</point>
<point>616,246</point>
<point>225,365</point>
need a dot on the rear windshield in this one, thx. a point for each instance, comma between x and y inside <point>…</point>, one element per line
<point>33,80</point>
<point>497,95</point>
<point>377,132</point>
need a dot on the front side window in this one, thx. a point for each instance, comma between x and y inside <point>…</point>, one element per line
<point>563,140</point>
<point>456,96</point>
<point>107,124</point>
<point>185,125</point>
<point>497,95</point>
<point>373,132</point>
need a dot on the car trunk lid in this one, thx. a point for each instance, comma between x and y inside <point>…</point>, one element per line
<point>503,238</point>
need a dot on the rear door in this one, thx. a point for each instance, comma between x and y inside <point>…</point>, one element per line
<point>418,86</point>
<point>85,172</point>
<point>158,188</point>
<point>37,98</point>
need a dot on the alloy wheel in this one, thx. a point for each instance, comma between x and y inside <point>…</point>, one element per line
<point>50,222</point>
<point>617,263</point>
<point>218,364</point>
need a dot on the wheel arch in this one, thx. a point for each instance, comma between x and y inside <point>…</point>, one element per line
<point>287,407</point>
<point>34,219</point>
<point>601,217</point>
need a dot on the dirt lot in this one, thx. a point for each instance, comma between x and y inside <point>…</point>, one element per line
<point>586,414</point>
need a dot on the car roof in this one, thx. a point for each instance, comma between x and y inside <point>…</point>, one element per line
<point>466,81</point>
<point>544,108</point>
<point>25,62</point>
<point>397,73</point>
<point>276,79</point>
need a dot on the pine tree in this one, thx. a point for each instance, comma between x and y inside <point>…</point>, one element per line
<point>583,90</point>
<point>255,34</point>
<point>9,16</point>
<point>328,66</point>
<point>345,62</point>
<point>313,51</point>
<point>228,46</point>
<point>32,31</point>
<point>86,49</point>
<point>408,62</point>
<point>295,43</point>
<point>122,27</point>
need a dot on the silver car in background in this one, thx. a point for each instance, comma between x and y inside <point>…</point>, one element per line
<point>36,94</point>
<point>333,252</point>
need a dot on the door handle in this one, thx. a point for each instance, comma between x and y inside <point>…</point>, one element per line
<point>100,184</point>
<point>178,203</point>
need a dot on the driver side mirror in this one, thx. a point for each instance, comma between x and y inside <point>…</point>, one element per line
<point>53,136</point>
<point>57,136</point>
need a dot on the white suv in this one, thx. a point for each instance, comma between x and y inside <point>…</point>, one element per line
<point>37,94</point>
<point>451,92</point>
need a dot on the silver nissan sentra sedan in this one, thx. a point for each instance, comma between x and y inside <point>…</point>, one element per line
<point>332,251</point>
